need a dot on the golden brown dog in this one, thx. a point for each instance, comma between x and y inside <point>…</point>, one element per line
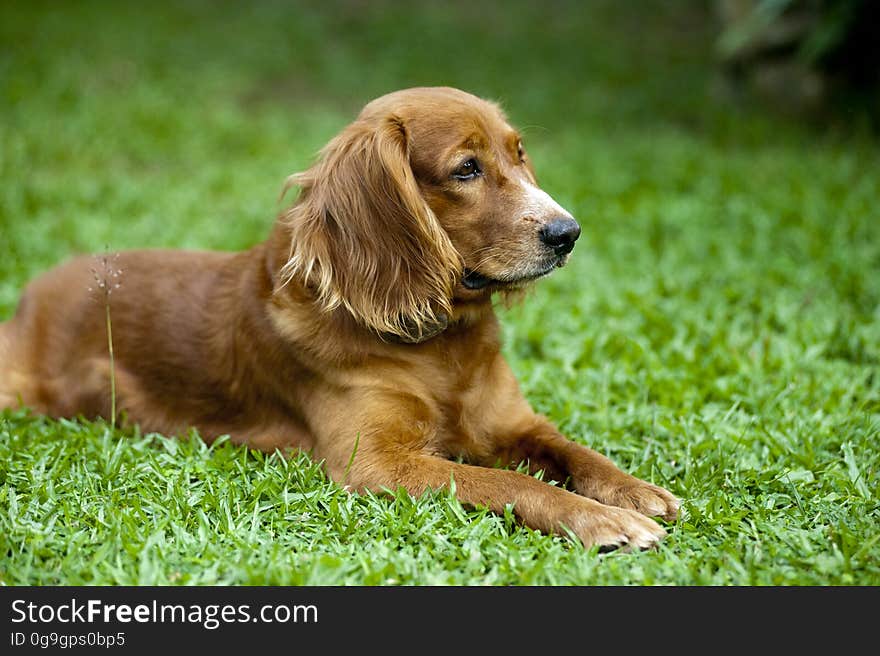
<point>362,330</point>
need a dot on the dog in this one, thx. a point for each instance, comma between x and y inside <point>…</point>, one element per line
<point>362,330</point>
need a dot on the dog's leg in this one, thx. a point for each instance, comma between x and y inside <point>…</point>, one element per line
<point>404,450</point>
<point>7,398</point>
<point>537,504</point>
<point>16,387</point>
<point>589,473</point>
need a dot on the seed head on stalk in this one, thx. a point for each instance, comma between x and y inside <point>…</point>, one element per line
<point>108,278</point>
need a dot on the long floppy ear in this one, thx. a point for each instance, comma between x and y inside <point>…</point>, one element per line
<point>363,237</point>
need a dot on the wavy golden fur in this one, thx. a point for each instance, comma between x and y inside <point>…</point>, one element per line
<point>359,204</point>
<point>361,331</point>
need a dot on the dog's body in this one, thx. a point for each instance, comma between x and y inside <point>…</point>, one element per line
<point>361,331</point>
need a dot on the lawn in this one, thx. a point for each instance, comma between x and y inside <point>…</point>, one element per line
<point>717,331</point>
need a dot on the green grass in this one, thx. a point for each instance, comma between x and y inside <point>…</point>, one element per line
<point>717,331</point>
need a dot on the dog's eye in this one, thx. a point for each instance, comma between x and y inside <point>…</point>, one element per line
<point>520,152</point>
<point>467,171</point>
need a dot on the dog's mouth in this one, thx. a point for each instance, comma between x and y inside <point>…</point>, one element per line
<point>476,281</point>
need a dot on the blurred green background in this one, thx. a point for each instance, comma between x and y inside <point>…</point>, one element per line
<point>129,123</point>
<point>718,328</point>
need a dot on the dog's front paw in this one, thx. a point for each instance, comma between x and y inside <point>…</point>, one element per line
<point>645,498</point>
<point>613,528</point>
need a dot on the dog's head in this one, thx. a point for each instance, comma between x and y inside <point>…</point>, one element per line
<point>426,199</point>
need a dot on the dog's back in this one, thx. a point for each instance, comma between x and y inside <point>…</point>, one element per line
<point>55,351</point>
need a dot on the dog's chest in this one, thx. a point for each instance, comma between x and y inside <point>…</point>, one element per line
<point>478,399</point>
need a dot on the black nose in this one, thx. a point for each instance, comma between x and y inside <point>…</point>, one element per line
<point>560,234</point>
